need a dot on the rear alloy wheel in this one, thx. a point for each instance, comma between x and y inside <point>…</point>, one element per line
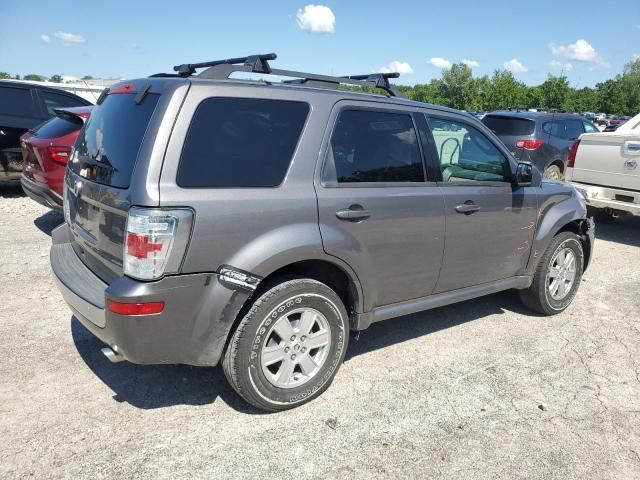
<point>553,172</point>
<point>289,345</point>
<point>557,277</point>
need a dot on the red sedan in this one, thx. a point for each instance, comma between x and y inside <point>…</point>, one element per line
<point>45,152</point>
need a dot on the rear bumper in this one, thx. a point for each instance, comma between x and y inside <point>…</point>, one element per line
<point>41,194</point>
<point>605,197</point>
<point>193,328</point>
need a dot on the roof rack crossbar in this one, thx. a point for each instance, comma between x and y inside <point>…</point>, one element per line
<point>223,69</point>
<point>258,63</point>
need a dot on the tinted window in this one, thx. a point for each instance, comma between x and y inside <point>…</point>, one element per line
<point>56,100</point>
<point>556,128</point>
<point>573,129</point>
<point>108,145</point>
<point>241,142</point>
<point>15,101</point>
<point>590,127</point>
<point>369,146</point>
<point>509,125</point>
<point>466,154</point>
<point>57,127</point>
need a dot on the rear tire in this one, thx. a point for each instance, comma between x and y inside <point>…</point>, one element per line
<point>557,277</point>
<point>289,346</point>
<point>553,172</point>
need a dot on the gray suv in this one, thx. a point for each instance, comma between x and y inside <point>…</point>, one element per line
<point>542,138</point>
<point>255,224</point>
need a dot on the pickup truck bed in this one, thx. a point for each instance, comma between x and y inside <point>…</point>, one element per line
<point>606,169</point>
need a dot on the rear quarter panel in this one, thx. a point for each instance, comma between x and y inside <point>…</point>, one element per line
<point>254,229</point>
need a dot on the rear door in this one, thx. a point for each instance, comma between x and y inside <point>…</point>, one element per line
<point>17,115</point>
<point>489,222</point>
<point>377,211</point>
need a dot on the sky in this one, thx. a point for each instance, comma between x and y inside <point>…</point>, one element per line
<point>590,41</point>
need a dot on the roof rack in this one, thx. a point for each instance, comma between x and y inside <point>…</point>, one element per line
<point>222,69</point>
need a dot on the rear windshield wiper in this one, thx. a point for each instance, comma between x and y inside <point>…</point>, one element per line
<point>102,163</point>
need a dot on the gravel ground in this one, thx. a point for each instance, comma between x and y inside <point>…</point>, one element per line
<point>483,389</point>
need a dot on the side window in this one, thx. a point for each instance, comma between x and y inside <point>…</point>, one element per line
<point>466,154</point>
<point>590,128</point>
<point>56,100</point>
<point>15,101</point>
<point>574,129</point>
<point>555,128</point>
<point>374,146</point>
<point>240,142</point>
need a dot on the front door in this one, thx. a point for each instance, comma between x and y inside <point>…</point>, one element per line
<point>377,212</point>
<point>489,222</point>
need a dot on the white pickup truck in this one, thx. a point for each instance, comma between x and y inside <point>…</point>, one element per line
<point>605,167</point>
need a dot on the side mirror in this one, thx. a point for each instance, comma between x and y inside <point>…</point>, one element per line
<point>525,174</point>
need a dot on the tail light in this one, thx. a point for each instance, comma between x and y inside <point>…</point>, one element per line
<point>529,143</point>
<point>156,241</point>
<point>60,154</point>
<point>571,158</point>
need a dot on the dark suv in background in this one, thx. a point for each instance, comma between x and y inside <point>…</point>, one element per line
<point>24,106</point>
<point>255,224</point>
<point>542,138</point>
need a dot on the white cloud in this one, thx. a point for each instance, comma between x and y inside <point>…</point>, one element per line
<point>514,66</point>
<point>581,51</point>
<point>440,62</point>
<point>316,18</point>
<point>470,63</point>
<point>45,38</point>
<point>70,37</point>
<point>556,65</point>
<point>403,68</point>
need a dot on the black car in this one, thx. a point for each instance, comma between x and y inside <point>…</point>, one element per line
<point>23,106</point>
<point>542,138</point>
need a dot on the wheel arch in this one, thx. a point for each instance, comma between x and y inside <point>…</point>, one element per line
<point>567,215</point>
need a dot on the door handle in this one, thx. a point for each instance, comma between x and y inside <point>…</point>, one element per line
<point>354,213</point>
<point>468,208</point>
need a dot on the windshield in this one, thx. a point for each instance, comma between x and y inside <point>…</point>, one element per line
<point>108,145</point>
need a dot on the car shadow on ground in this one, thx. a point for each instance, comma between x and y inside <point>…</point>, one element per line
<point>158,386</point>
<point>155,386</point>
<point>11,189</point>
<point>401,329</point>
<point>48,221</point>
<point>625,230</point>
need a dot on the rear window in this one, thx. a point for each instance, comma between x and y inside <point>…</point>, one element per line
<point>56,100</point>
<point>108,145</point>
<point>57,127</point>
<point>509,125</point>
<point>240,142</point>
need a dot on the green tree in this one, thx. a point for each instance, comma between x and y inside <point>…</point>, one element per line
<point>504,91</point>
<point>459,89</point>
<point>56,78</point>
<point>555,92</point>
<point>87,77</point>
<point>4,75</point>
<point>34,77</point>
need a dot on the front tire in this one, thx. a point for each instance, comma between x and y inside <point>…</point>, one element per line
<point>289,346</point>
<point>557,277</point>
